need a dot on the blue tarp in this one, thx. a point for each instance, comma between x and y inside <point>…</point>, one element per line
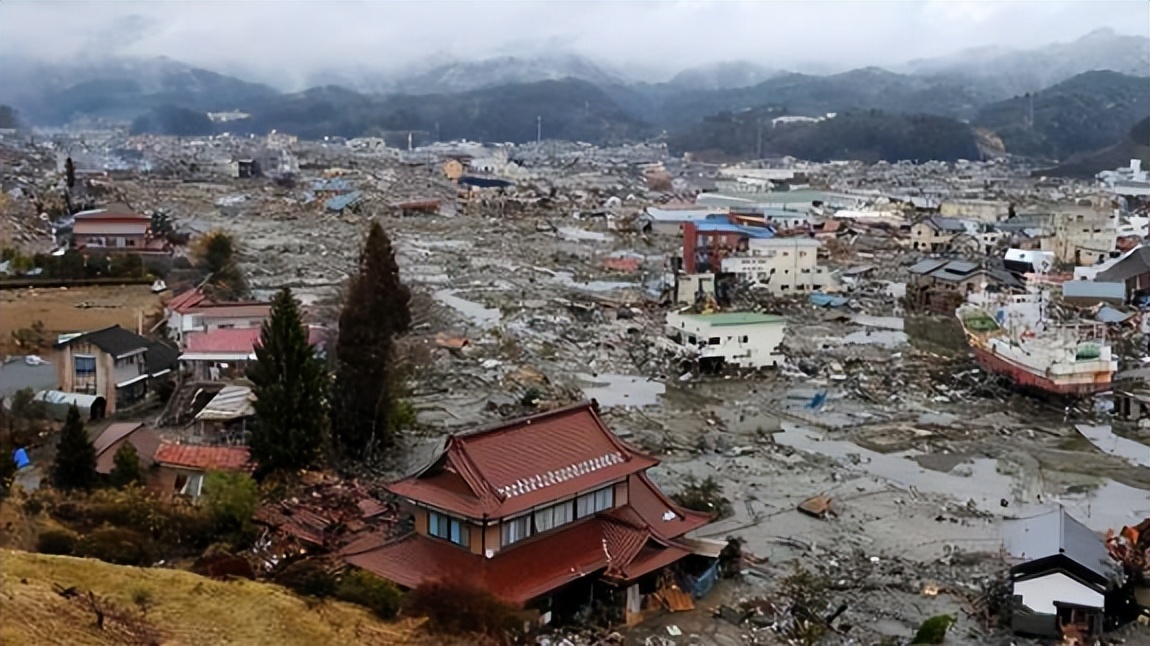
<point>20,457</point>
<point>483,182</point>
<point>818,400</point>
<point>826,300</point>
<point>723,227</point>
<point>341,202</point>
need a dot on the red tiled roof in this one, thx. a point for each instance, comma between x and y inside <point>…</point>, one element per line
<point>230,310</point>
<point>512,467</point>
<point>204,458</point>
<point>652,506</point>
<point>524,571</point>
<point>187,300</point>
<point>235,340</point>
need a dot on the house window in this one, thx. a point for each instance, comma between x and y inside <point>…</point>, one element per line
<point>516,529</point>
<point>189,485</point>
<point>131,242</point>
<point>554,516</point>
<point>743,339</point>
<point>85,369</point>
<point>448,528</point>
<point>714,340</point>
<point>595,501</point>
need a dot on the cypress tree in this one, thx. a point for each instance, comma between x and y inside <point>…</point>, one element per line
<point>75,465</point>
<point>290,384</point>
<point>70,173</point>
<point>376,310</point>
<point>126,467</point>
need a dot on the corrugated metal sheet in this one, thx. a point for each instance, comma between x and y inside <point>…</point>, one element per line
<point>233,402</point>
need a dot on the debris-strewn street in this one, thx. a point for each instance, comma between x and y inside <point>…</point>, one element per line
<point>553,285</point>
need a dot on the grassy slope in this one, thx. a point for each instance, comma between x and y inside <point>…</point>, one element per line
<point>185,608</point>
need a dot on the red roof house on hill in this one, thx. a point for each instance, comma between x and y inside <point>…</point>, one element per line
<point>528,507</point>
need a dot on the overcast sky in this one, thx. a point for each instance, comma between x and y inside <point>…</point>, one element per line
<point>289,40</point>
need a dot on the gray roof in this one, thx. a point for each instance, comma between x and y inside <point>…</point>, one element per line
<point>1092,289</point>
<point>955,270</point>
<point>1055,533</point>
<point>1135,264</point>
<point>940,223</point>
<point>1107,314</point>
<point>114,340</point>
<point>160,357</point>
<point>926,266</point>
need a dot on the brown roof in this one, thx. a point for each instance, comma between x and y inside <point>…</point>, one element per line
<point>512,467</point>
<point>144,439</point>
<point>204,458</point>
<point>114,433</point>
<point>652,506</point>
<point>607,542</point>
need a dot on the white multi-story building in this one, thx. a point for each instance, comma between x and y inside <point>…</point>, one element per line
<point>742,339</point>
<point>781,265</point>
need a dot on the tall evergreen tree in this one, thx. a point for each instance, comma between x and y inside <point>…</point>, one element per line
<point>375,311</point>
<point>75,465</point>
<point>291,387</point>
<point>126,467</point>
<point>70,173</point>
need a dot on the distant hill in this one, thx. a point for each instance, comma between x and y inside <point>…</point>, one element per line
<point>722,76</point>
<point>1021,71</point>
<point>1135,145</point>
<point>1080,115</point>
<point>868,88</point>
<point>118,89</point>
<point>868,136</point>
<point>505,70</point>
<point>569,109</point>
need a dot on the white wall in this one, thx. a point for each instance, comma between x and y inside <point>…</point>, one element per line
<point>784,265</point>
<point>745,346</point>
<point>1040,594</point>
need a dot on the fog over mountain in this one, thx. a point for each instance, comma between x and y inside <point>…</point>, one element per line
<point>294,45</point>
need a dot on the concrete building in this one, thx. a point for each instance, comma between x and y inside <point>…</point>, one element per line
<point>934,234</point>
<point>741,339</point>
<point>980,210</point>
<point>192,311</point>
<point>781,265</point>
<point>1085,236</point>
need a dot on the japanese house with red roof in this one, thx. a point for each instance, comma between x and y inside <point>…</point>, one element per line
<point>539,511</point>
<point>181,468</point>
<point>225,353</point>
<point>115,228</point>
<point>192,311</point>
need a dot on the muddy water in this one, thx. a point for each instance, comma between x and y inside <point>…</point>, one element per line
<point>621,390</point>
<point>477,313</point>
<point>982,483</point>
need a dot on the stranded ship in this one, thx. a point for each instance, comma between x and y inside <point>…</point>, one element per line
<point>1061,361</point>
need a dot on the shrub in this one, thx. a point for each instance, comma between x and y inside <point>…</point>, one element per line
<point>231,498</point>
<point>706,496</point>
<point>308,578</point>
<point>371,592</point>
<point>56,541</point>
<point>457,609</point>
<point>116,545</point>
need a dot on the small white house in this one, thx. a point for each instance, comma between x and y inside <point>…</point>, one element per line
<point>742,339</point>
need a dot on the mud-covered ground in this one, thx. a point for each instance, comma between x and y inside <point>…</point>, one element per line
<point>923,461</point>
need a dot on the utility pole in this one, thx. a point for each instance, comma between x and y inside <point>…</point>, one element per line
<point>760,139</point>
<point>539,129</point>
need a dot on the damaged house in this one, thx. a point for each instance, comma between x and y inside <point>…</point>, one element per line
<point>549,512</point>
<point>1060,577</point>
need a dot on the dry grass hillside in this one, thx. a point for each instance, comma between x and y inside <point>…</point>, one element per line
<point>159,606</point>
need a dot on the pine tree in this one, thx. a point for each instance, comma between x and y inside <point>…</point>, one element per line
<point>70,173</point>
<point>75,465</point>
<point>290,384</point>
<point>374,313</point>
<point>7,452</point>
<point>126,467</point>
